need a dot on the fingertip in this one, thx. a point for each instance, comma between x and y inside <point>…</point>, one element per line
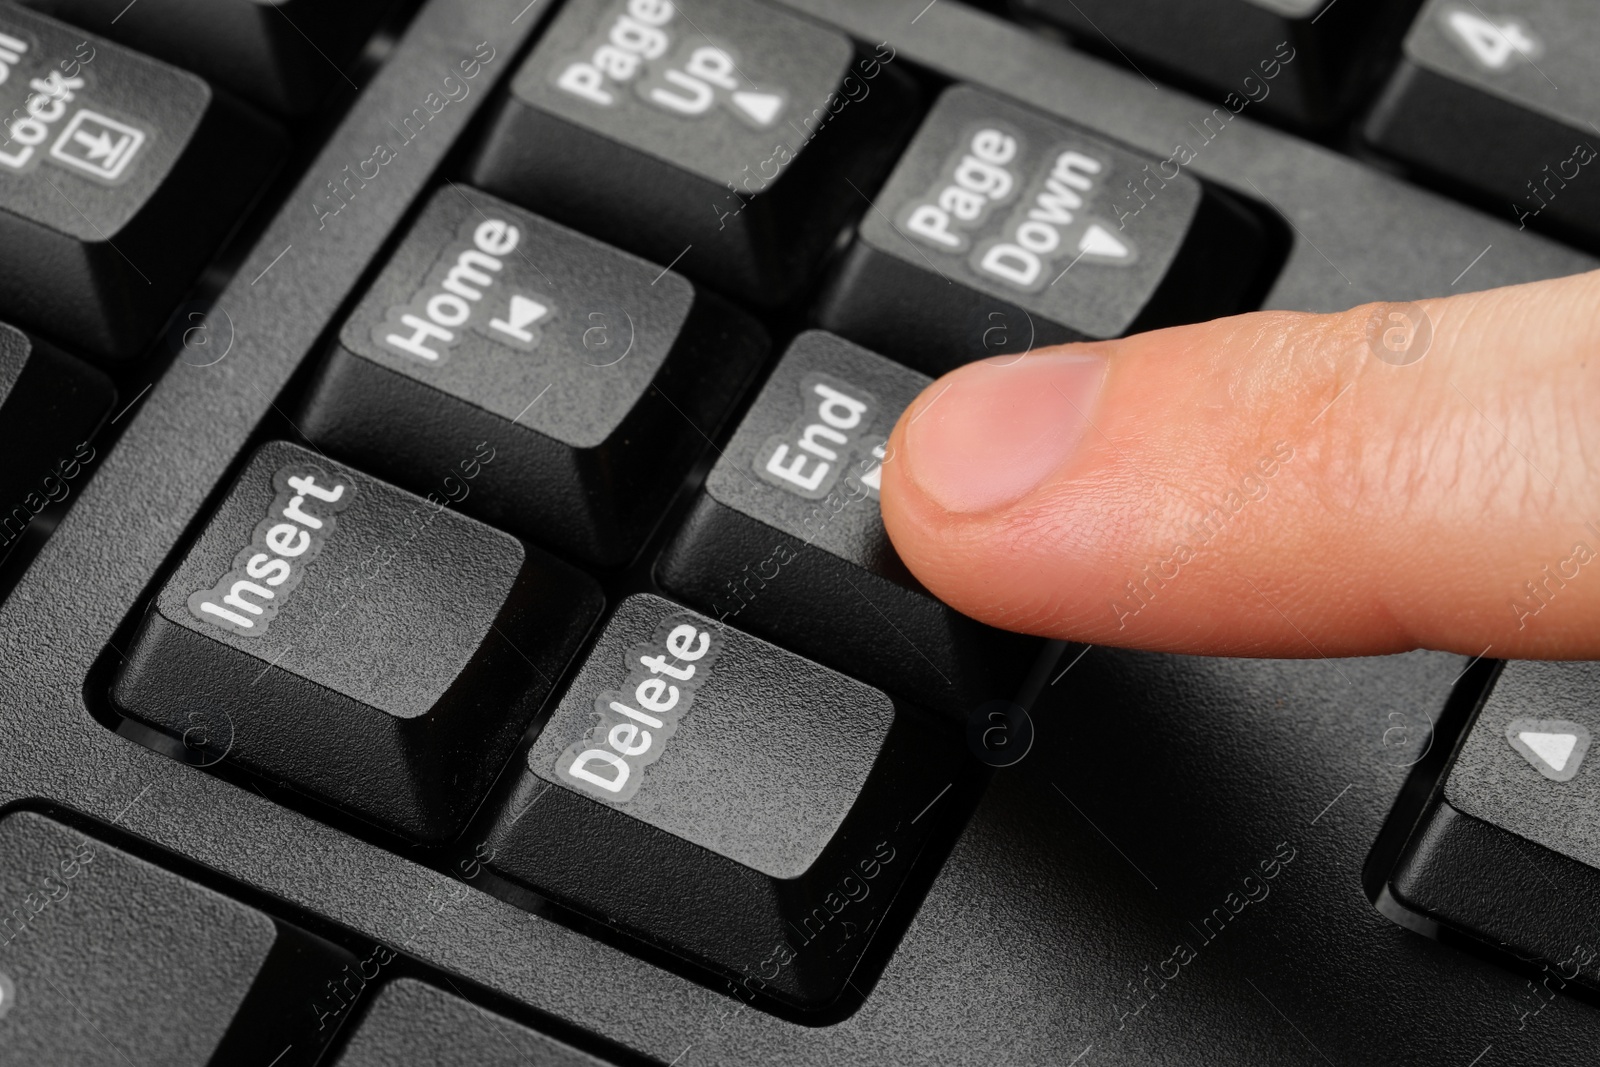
<point>988,434</point>
<point>972,445</point>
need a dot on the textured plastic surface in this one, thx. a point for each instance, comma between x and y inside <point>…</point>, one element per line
<point>1563,35</point>
<point>414,1023</point>
<point>389,612</point>
<point>50,406</point>
<point>1218,44</point>
<point>1491,781</point>
<point>797,59</point>
<point>110,960</point>
<point>771,822</point>
<point>282,54</point>
<point>765,765</point>
<point>1509,852</point>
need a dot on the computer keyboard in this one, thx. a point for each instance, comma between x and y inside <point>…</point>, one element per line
<point>446,612</point>
<point>1507,849</point>
<point>413,1022</point>
<point>1304,61</point>
<point>663,817</point>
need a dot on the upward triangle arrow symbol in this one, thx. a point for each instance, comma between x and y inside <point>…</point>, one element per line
<point>1101,243</point>
<point>763,108</point>
<point>1553,747</point>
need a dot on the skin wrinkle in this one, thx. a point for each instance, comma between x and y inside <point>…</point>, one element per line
<point>1162,469</point>
<point>1297,355</point>
<point>1430,472</point>
<point>1516,471</point>
<point>1503,487</point>
<point>1310,360</point>
<point>1020,536</point>
<point>1427,455</point>
<point>1582,404</point>
<point>1487,319</point>
<point>1335,453</point>
<point>1425,462</point>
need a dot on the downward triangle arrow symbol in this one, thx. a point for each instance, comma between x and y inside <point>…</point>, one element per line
<point>1101,242</point>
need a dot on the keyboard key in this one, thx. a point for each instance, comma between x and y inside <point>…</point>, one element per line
<point>786,540</point>
<point>730,801</point>
<point>111,183</point>
<point>368,647</point>
<point>1299,61</point>
<point>724,132</point>
<point>108,960</point>
<point>284,55</point>
<point>1509,851</point>
<point>594,376</point>
<point>1003,229</point>
<point>50,406</point>
<point>414,1023</point>
<point>1475,104</point>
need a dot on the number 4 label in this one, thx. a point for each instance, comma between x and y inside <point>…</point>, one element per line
<point>1494,44</point>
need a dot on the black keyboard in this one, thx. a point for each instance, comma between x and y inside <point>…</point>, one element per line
<point>446,614</point>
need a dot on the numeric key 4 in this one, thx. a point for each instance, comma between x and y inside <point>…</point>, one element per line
<point>1500,100</point>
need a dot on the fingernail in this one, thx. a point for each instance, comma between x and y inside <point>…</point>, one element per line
<point>997,431</point>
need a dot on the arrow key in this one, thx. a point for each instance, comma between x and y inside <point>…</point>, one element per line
<point>1507,847</point>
